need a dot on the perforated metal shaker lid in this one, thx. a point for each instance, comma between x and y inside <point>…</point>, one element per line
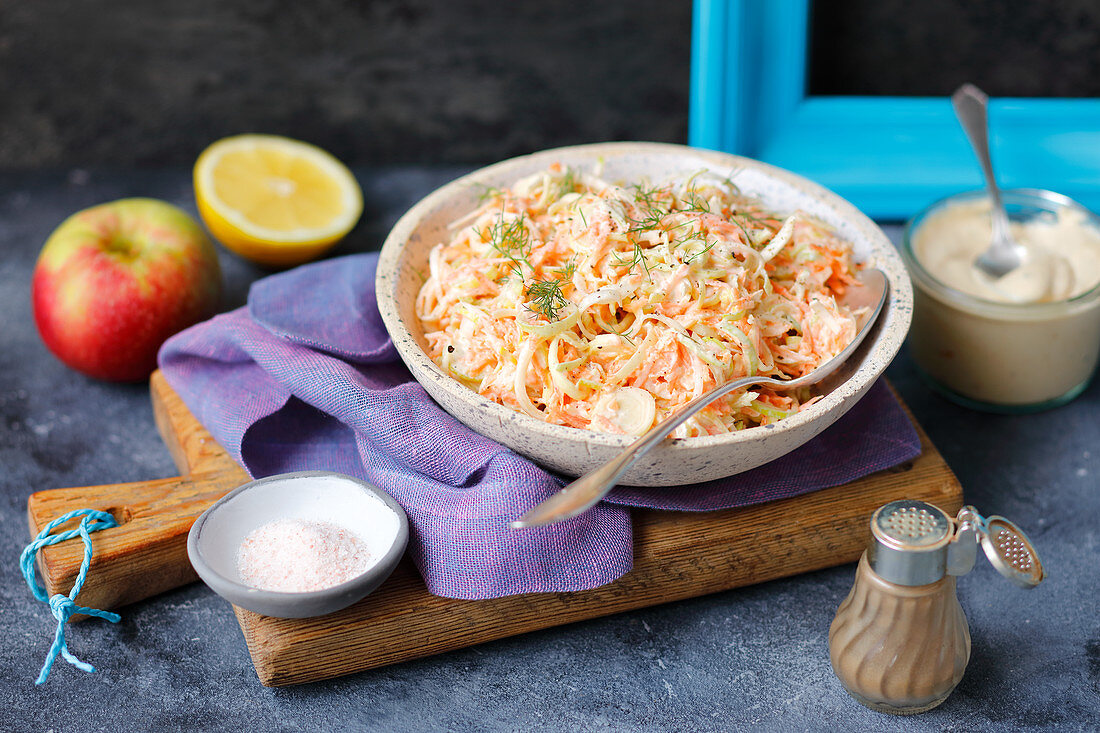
<point>916,543</point>
<point>1011,552</point>
<point>909,542</point>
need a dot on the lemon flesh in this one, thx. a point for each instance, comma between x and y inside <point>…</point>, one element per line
<point>274,200</point>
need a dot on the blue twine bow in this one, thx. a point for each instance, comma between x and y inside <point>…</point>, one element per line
<point>63,606</point>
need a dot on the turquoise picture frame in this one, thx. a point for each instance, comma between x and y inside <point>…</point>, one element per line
<point>890,156</point>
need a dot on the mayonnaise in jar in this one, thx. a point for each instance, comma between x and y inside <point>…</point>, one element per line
<point>1023,342</point>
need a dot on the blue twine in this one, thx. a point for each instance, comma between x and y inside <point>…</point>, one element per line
<point>63,606</point>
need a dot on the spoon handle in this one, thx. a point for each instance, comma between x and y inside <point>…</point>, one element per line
<point>593,486</point>
<point>583,493</point>
<point>971,105</point>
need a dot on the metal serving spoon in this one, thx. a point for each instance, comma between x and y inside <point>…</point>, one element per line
<point>1004,253</point>
<point>590,488</point>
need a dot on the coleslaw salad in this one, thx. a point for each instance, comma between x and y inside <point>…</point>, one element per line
<point>594,305</point>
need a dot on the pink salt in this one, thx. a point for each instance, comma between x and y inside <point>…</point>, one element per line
<point>298,555</point>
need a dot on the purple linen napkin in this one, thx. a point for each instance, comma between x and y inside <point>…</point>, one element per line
<point>305,377</point>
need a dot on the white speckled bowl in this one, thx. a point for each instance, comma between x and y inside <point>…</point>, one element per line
<point>322,496</point>
<point>573,451</point>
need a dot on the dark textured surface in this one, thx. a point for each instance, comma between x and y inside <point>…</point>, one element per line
<point>140,82</point>
<point>1009,48</point>
<point>152,82</point>
<point>754,658</point>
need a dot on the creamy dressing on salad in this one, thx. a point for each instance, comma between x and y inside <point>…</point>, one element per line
<point>1062,261</point>
<point>591,304</point>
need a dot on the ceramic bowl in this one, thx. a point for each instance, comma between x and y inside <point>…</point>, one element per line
<point>310,495</point>
<point>573,451</point>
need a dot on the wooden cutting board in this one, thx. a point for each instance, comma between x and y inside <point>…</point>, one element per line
<point>677,555</point>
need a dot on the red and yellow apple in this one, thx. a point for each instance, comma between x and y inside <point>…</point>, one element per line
<point>113,282</point>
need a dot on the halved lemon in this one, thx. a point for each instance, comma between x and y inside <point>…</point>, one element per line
<point>274,200</point>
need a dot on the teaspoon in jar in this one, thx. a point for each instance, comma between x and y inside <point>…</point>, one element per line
<point>1004,253</point>
<point>1043,277</point>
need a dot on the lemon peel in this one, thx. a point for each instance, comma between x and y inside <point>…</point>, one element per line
<point>274,200</point>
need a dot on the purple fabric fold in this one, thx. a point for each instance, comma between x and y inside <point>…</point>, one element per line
<point>305,377</point>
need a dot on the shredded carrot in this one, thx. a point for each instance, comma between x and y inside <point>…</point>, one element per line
<point>565,294</point>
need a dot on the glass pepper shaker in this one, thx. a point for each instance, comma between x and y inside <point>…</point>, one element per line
<point>900,642</point>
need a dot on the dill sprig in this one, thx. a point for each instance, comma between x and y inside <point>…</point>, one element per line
<point>637,257</point>
<point>748,215</point>
<point>688,260</point>
<point>696,202</point>
<point>487,192</point>
<point>546,296</point>
<point>648,201</point>
<point>511,240</point>
<point>653,212</point>
<point>565,272</point>
<point>744,231</point>
<point>728,181</point>
<point>623,336</point>
<point>568,183</point>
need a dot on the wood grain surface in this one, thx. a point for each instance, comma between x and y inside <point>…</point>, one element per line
<point>677,555</point>
<point>147,553</point>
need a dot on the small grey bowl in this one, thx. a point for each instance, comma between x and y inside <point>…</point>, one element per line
<point>309,495</point>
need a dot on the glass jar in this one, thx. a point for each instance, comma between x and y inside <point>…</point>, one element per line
<point>1002,356</point>
<point>896,648</point>
<point>899,642</point>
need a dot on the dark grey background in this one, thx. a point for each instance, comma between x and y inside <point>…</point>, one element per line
<point>126,83</point>
<point>152,82</point>
<point>100,100</point>
<point>1009,48</point>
